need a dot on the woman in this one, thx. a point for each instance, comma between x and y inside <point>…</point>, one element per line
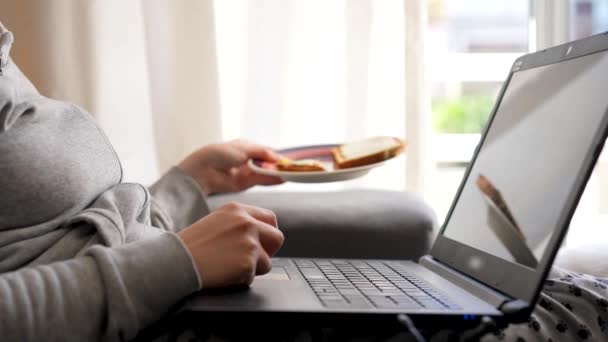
<point>86,257</point>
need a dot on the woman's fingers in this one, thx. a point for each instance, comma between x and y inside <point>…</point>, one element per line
<point>264,264</point>
<point>262,214</point>
<point>248,178</point>
<point>256,151</point>
<point>271,238</point>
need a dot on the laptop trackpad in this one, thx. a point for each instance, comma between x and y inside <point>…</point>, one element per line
<point>280,289</point>
<point>277,273</point>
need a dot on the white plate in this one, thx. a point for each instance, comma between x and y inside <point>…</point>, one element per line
<point>321,153</point>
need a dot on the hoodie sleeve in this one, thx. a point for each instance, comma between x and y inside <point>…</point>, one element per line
<point>108,295</point>
<point>177,201</point>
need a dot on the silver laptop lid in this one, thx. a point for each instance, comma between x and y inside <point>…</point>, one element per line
<point>522,187</point>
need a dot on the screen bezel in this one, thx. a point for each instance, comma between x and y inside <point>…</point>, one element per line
<point>510,278</point>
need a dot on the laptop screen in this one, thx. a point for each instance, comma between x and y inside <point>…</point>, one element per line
<point>529,162</point>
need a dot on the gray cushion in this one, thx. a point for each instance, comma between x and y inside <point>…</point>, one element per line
<point>346,224</point>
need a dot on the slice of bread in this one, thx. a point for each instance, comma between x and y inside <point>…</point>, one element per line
<point>367,151</point>
<point>304,165</point>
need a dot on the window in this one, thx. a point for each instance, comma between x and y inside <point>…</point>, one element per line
<point>588,17</point>
<point>471,46</point>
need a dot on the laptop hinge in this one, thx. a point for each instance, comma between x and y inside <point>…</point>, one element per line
<point>472,286</point>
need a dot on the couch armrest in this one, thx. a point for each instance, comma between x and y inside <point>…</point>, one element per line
<point>372,224</point>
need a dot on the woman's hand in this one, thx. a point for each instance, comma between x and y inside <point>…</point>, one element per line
<point>233,244</point>
<point>223,167</point>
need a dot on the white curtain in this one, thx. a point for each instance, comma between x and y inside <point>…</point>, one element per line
<point>145,69</point>
<point>286,72</point>
<point>296,72</point>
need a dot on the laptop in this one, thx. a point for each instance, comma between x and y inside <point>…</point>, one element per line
<point>502,232</point>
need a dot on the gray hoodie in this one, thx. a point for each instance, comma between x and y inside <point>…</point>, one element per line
<point>83,256</point>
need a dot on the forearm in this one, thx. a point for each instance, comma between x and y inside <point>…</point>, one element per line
<point>110,294</point>
<point>177,201</point>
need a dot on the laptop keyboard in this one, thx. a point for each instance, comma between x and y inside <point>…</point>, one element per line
<point>346,283</point>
